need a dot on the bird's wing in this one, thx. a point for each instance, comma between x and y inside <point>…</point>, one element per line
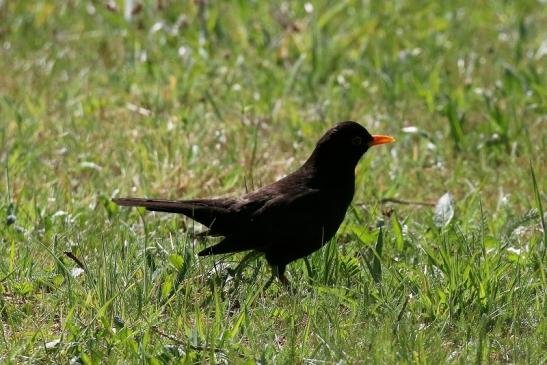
<point>257,213</point>
<point>288,210</point>
<point>209,212</point>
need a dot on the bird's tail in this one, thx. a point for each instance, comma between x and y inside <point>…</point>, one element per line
<point>212,213</point>
<point>208,212</point>
<point>157,205</point>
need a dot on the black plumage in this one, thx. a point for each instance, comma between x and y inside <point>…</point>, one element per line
<point>290,218</point>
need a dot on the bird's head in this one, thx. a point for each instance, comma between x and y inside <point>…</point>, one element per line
<point>343,145</point>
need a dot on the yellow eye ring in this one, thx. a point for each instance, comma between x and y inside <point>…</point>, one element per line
<point>357,141</point>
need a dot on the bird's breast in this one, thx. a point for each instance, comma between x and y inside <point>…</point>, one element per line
<point>335,207</point>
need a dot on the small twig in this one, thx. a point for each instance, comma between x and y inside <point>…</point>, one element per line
<point>185,343</point>
<point>75,259</point>
<point>406,202</point>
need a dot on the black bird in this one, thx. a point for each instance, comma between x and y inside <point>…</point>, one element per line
<point>290,218</point>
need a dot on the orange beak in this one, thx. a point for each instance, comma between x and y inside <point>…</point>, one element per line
<point>378,139</point>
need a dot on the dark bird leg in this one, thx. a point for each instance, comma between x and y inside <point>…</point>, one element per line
<point>278,271</point>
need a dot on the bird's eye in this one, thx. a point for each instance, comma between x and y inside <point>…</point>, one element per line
<point>357,141</point>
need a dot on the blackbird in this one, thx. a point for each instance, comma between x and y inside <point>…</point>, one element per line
<point>290,218</point>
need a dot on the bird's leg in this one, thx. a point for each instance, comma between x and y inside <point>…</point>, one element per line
<point>281,276</point>
<point>279,272</point>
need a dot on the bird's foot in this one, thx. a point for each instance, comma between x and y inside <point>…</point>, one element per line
<point>283,279</point>
<point>279,273</point>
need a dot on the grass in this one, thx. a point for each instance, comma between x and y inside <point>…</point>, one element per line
<point>213,98</point>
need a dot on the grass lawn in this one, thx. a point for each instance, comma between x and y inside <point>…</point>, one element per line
<point>213,98</point>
